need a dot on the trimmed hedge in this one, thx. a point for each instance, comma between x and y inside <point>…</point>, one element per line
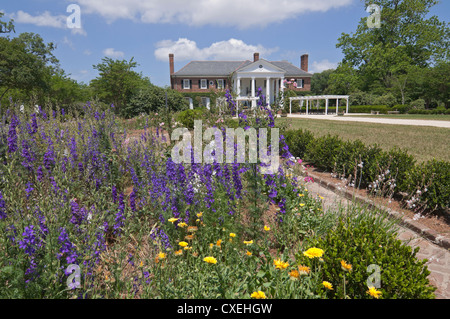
<point>383,172</point>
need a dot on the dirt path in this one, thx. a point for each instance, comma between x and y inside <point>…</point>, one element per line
<point>435,123</point>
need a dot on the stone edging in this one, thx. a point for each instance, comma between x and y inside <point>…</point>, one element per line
<point>422,230</point>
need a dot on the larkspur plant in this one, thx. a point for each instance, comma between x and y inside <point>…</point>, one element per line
<point>88,191</point>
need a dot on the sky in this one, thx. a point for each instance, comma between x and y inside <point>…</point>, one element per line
<point>86,31</point>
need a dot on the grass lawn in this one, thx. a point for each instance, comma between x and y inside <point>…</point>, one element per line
<point>434,117</point>
<point>423,142</point>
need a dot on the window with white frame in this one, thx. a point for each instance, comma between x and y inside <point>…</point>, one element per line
<point>220,84</point>
<point>203,84</point>
<point>186,84</point>
<point>299,83</point>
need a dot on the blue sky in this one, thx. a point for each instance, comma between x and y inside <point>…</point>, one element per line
<point>191,29</point>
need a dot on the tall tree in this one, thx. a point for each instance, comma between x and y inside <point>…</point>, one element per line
<point>6,27</point>
<point>405,37</point>
<point>117,81</point>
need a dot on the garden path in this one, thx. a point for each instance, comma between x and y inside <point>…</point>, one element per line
<point>435,123</point>
<point>438,257</point>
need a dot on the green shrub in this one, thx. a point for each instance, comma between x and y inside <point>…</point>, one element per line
<point>298,141</point>
<point>429,185</point>
<point>418,104</point>
<point>402,108</point>
<point>363,239</point>
<point>368,108</point>
<point>387,99</point>
<point>323,151</point>
<point>187,117</point>
<point>361,98</point>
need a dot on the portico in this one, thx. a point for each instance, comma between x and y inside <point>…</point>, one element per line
<point>260,73</point>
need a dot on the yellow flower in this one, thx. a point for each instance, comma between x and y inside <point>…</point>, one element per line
<point>373,292</point>
<point>211,245</point>
<point>161,255</point>
<point>210,260</point>
<point>266,228</point>
<point>320,197</point>
<point>301,195</point>
<point>302,204</point>
<point>280,264</point>
<point>172,220</point>
<point>345,266</point>
<point>303,270</point>
<point>199,214</point>
<point>219,242</point>
<point>248,253</point>
<point>183,224</point>
<point>187,248</point>
<point>327,285</point>
<point>232,235</point>
<point>249,242</point>
<point>141,264</point>
<point>183,243</point>
<point>258,295</point>
<point>313,252</point>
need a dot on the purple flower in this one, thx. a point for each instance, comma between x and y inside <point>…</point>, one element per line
<point>120,217</point>
<point>12,135</point>
<point>2,207</point>
<point>29,189</point>
<point>29,243</point>
<point>67,250</point>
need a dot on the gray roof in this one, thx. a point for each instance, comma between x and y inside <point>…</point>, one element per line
<point>210,68</point>
<point>225,68</point>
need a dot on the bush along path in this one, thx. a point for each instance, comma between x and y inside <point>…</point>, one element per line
<point>436,254</point>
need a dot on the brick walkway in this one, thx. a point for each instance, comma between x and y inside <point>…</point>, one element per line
<point>438,256</point>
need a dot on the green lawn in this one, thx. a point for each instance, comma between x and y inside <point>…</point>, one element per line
<point>423,142</point>
<point>434,117</point>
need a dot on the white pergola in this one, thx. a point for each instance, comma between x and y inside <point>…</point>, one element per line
<point>318,98</point>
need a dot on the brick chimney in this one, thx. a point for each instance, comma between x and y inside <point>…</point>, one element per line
<point>172,69</point>
<point>304,62</point>
<point>255,56</point>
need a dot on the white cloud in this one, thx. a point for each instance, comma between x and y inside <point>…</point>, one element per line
<point>232,49</point>
<point>112,53</point>
<point>242,14</point>
<point>319,66</point>
<point>87,52</point>
<point>45,19</point>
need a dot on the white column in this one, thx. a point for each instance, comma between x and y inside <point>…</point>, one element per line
<point>253,92</point>
<point>346,111</point>
<point>277,89</point>
<point>307,102</point>
<point>290,106</point>
<point>326,106</point>
<point>282,84</point>
<point>337,106</point>
<point>268,91</point>
<point>238,89</point>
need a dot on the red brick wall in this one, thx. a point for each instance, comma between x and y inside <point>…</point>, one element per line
<point>177,84</point>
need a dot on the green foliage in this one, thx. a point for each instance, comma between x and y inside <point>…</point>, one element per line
<point>187,117</point>
<point>117,82</point>
<point>153,99</point>
<point>298,141</point>
<point>418,104</point>
<point>429,185</point>
<point>361,98</point>
<point>364,238</point>
<point>319,82</point>
<point>384,173</point>
<point>386,99</point>
<point>368,108</point>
